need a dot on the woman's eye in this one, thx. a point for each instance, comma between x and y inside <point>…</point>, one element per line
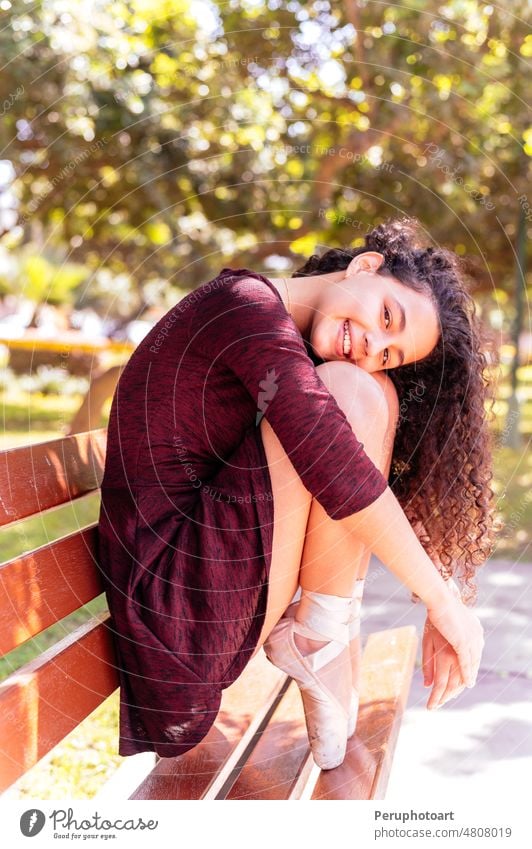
<point>387,313</point>
<point>386,356</point>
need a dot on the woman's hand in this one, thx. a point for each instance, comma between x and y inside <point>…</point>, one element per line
<point>440,667</point>
<point>462,629</point>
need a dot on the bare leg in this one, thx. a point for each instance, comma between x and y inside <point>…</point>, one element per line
<point>313,647</point>
<point>332,561</point>
<point>305,538</point>
<point>324,544</point>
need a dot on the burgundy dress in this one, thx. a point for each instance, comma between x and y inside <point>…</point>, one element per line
<point>186,519</point>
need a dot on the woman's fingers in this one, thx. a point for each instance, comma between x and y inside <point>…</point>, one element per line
<point>477,647</point>
<point>442,667</point>
<point>469,658</point>
<point>428,657</point>
<point>474,663</point>
<point>455,686</point>
<point>475,654</point>
<point>465,661</point>
<point>463,630</point>
<point>451,662</point>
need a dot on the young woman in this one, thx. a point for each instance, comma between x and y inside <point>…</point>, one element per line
<point>265,438</point>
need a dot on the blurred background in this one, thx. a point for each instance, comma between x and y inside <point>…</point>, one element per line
<point>146,145</point>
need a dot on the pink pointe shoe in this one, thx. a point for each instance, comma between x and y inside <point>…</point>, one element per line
<point>324,675</point>
<point>354,633</point>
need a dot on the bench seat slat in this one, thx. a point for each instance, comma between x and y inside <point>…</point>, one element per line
<point>46,699</point>
<point>275,767</point>
<point>387,668</point>
<point>36,477</point>
<point>42,587</point>
<point>202,772</point>
<point>280,766</point>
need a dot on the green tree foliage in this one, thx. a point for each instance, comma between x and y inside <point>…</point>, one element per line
<point>162,140</point>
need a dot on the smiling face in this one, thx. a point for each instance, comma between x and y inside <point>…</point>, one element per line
<point>388,324</point>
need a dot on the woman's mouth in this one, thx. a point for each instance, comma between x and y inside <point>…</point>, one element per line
<point>345,339</point>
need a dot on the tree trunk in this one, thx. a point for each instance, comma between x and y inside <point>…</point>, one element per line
<point>89,414</point>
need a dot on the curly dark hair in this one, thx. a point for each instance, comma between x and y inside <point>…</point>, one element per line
<point>442,455</point>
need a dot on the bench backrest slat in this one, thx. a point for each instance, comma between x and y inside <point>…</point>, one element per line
<point>36,477</point>
<point>46,699</point>
<point>258,746</point>
<point>45,585</point>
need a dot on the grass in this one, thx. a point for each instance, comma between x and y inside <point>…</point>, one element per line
<point>25,414</point>
<point>31,533</point>
<point>79,766</point>
<point>513,487</point>
<point>18,657</point>
<point>513,470</point>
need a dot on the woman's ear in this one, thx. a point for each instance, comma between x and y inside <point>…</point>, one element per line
<point>368,261</point>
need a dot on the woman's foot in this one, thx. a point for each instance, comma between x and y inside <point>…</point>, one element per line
<point>323,675</point>
<point>354,647</point>
<point>355,653</point>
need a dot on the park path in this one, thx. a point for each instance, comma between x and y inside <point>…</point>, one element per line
<point>480,742</point>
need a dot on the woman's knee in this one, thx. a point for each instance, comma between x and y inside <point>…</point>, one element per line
<point>369,402</point>
<point>357,391</point>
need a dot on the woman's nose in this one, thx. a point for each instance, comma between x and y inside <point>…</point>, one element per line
<point>373,344</point>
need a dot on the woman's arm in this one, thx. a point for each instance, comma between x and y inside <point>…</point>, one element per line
<point>384,528</point>
<point>244,327</point>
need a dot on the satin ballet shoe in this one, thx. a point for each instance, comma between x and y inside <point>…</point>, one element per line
<point>323,676</point>
<point>354,633</point>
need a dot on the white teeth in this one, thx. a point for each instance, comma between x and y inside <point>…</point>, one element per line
<point>347,339</point>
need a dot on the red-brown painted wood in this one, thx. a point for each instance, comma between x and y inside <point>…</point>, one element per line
<point>275,766</point>
<point>36,477</point>
<point>202,772</point>
<point>45,585</point>
<point>239,758</point>
<point>44,700</point>
<point>278,767</point>
<point>387,668</point>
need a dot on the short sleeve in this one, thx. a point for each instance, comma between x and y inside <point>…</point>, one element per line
<point>244,327</point>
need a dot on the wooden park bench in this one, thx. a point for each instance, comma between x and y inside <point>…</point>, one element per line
<point>258,747</point>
